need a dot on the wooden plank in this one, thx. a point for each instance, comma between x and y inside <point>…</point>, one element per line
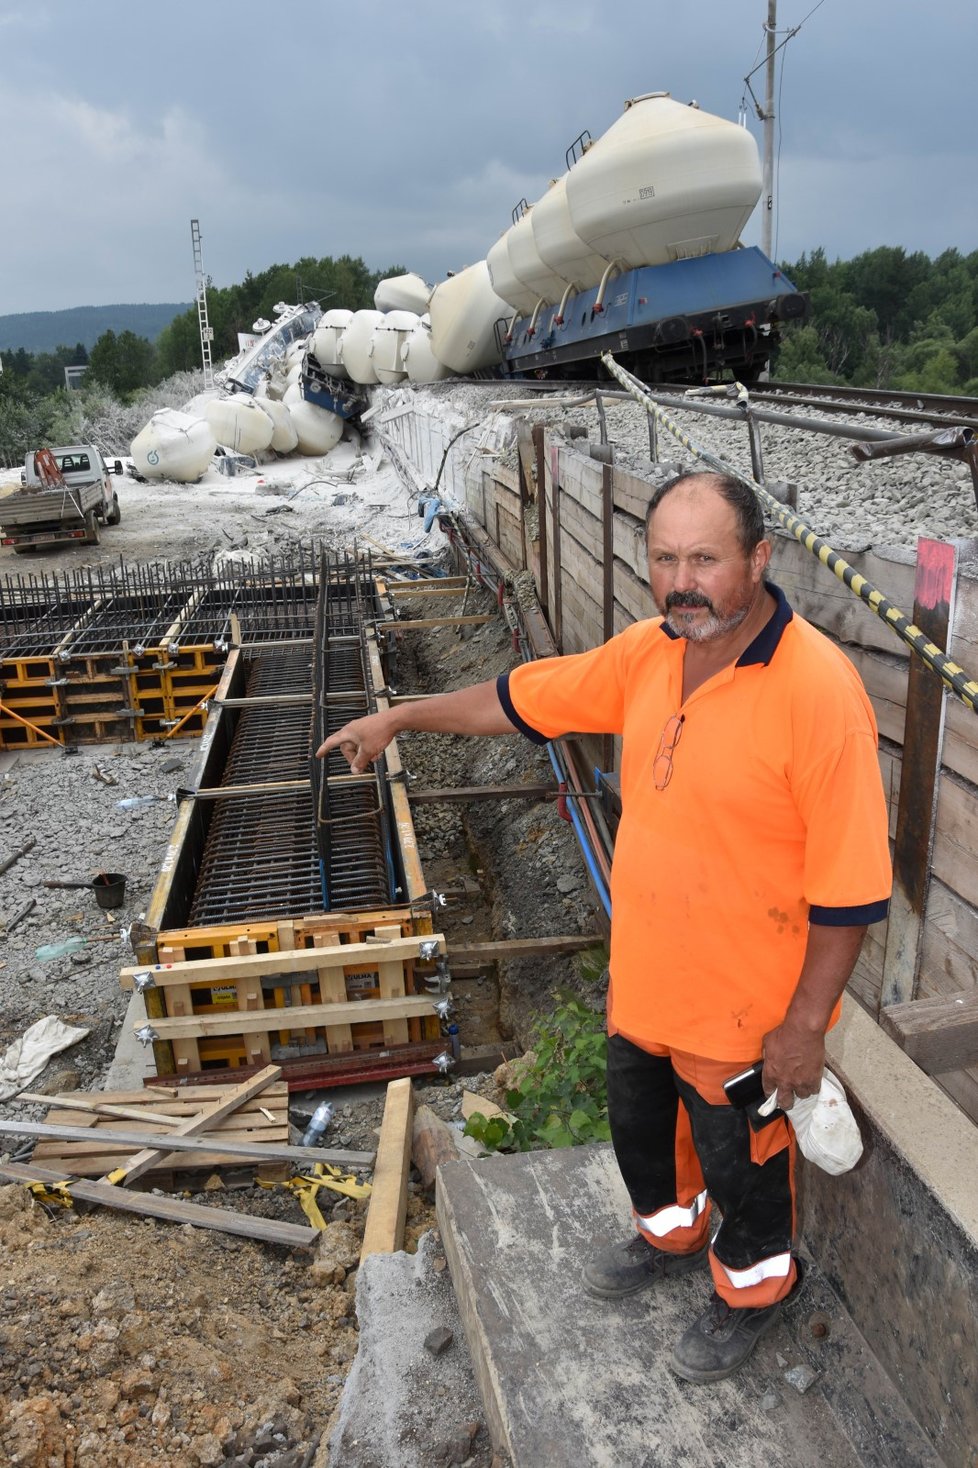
<point>541,501</point>
<point>250,999</point>
<point>173,1210</point>
<point>390,978</point>
<point>413,624</point>
<point>384,1230</point>
<point>938,1034</point>
<point>296,960</point>
<point>923,740</point>
<point>179,1001</point>
<point>253,1151</point>
<point>357,1011</point>
<point>332,987</point>
<point>151,1156</point>
<point>100,1108</point>
<point>490,952</point>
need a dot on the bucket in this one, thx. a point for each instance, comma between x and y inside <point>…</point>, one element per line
<point>109,889</point>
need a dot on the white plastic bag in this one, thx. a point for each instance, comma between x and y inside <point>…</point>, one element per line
<point>824,1125</point>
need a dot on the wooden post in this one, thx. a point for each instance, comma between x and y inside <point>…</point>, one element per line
<point>920,777</point>
<point>542,513</point>
<point>557,615</point>
<point>384,1231</point>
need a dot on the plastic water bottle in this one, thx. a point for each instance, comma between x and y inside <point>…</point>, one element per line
<point>140,802</point>
<point>320,1120</point>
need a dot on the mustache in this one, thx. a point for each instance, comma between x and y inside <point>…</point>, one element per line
<point>688,599</point>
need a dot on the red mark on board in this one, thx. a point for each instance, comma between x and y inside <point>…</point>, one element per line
<point>934,580</point>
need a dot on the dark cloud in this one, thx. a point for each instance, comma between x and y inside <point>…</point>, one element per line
<point>407,133</point>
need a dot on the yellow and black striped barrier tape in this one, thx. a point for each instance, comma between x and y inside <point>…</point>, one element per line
<point>954,678</point>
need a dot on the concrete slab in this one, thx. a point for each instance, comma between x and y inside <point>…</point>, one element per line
<point>568,1379</point>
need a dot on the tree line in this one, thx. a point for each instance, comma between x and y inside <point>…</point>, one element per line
<point>886,318</point>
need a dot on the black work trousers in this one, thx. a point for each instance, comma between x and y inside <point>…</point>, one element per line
<point>669,1160</point>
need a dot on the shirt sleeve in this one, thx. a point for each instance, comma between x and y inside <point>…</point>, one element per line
<point>840,796</point>
<point>582,694</point>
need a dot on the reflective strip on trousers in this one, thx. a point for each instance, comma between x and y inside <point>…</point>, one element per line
<point>743,1279</point>
<point>665,1220</point>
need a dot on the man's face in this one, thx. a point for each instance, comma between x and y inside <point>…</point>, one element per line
<point>703,581</point>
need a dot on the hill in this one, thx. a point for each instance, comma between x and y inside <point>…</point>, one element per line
<point>43,331</point>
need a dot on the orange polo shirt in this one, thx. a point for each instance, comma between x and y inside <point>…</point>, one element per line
<point>774,817</point>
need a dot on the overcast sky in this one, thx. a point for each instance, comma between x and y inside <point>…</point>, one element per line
<point>407,132</point>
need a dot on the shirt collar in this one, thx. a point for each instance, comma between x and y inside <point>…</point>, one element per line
<point>764,646</point>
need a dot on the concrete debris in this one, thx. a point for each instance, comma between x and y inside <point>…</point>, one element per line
<point>437,1341</point>
<point>801,1378</point>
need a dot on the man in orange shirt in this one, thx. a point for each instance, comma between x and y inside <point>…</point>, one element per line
<point>751,855</point>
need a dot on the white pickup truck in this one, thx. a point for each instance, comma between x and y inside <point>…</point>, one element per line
<point>64,494</point>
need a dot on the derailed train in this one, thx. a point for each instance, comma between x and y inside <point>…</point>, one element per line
<point>636,249</point>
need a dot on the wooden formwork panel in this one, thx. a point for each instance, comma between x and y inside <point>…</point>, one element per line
<point>329,985</point>
<point>29,703</point>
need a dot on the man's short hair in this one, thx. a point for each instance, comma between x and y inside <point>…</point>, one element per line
<point>750,517</point>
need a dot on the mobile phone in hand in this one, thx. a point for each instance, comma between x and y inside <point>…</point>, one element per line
<point>745,1088</point>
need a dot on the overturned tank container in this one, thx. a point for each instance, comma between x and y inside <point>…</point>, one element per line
<point>325,342</point>
<point>354,347</point>
<point>464,310</point>
<point>421,363</point>
<point>387,346</point>
<point>666,182</point>
<point>402,293</point>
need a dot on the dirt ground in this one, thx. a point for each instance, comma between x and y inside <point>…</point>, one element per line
<point>126,1342</point>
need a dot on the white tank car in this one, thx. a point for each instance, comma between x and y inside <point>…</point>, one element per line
<point>525,259</point>
<point>402,293</point>
<point>325,341</point>
<point>239,423</point>
<point>175,446</point>
<point>317,429</point>
<point>665,182</point>
<point>421,363</point>
<point>559,246</point>
<point>284,437</point>
<point>390,335</point>
<point>464,310</point>
<point>505,281</point>
<point>355,346</point>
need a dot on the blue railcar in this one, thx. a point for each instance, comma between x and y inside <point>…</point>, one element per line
<point>686,321</point>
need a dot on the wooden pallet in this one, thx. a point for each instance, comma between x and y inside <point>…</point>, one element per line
<point>264,1118</point>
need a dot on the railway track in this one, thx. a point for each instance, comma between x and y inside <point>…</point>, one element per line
<point>903,407</point>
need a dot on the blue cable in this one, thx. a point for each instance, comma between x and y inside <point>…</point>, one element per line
<point>582,839</point>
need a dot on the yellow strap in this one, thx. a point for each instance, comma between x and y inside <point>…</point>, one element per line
<point>324,1175</point>
<point>53,1193</point>
<point>117,1176</point>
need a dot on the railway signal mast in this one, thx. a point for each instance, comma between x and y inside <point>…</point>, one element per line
<point>206,330</point>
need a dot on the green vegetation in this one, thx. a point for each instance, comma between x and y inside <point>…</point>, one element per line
<point>562,1098</point>
<point>886,319</point>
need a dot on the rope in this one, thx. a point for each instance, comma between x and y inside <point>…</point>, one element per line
<point>951,675</point>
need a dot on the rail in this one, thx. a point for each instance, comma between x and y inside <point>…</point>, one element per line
<point>951,675</point>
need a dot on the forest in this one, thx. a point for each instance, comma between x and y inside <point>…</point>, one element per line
<point>886,318</point>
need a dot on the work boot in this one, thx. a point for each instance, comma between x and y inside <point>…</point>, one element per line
<point>634,1264</point>
<point>721,1340</point>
